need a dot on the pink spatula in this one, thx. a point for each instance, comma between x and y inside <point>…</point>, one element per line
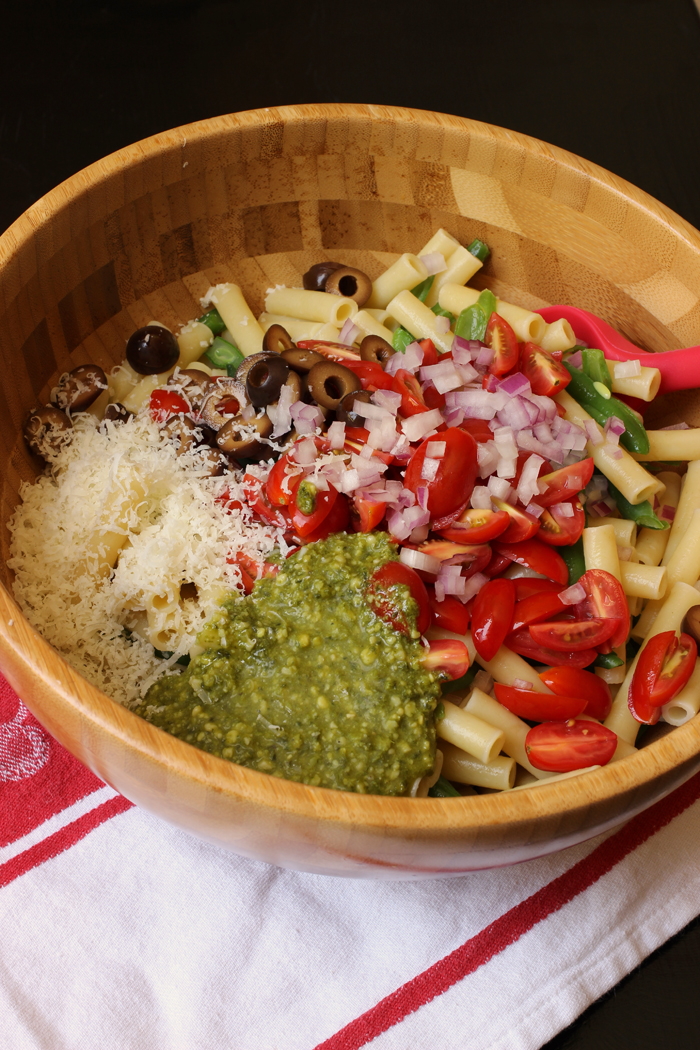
<point>680,369</point>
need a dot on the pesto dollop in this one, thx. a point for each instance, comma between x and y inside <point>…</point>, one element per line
<point>302,680</point>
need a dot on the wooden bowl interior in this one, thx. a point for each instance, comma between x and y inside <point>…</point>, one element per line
<point>258,197</point>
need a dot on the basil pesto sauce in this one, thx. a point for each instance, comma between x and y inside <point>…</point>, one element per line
<point>302,680</point>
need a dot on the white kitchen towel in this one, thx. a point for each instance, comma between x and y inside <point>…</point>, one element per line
<point>119,931</point>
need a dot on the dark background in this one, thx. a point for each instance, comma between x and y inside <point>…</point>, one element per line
<point>617,81</point>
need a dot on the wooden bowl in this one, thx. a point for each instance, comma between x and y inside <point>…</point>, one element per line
<point>257,197</point>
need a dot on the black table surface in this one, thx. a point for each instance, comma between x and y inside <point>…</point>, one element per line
<point>616,81</point>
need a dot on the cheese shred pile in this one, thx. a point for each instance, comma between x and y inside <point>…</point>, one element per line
<point>122,493</point>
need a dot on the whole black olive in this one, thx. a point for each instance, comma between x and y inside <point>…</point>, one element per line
<point>116,413</point>
<point>265,380</point>
<point>240,438</point>
<point>302,361</point>
<point>44,428</point>
<point>314,280</point>
<point>152,349</point>
<point>78,388</point>
<point>277,339</point>
<point>352,283</point>
<point>374,348</point>
<point>344,412</point>
<point>691,623</point>
<point>330,382</point>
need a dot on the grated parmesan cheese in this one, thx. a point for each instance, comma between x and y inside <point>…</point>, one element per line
<point>172,528</point>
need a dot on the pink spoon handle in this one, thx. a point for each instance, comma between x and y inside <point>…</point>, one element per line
<point>680,369</point>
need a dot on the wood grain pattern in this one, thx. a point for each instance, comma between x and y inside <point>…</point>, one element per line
<point>256,198</point>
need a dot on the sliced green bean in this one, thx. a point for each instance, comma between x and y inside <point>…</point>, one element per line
<point>443,789</point>
<point>488,303</point>
<point>402,338</point>
<point>479,249</point>
<point>575,561</point>
<point>595,366</point>
<point>421,290</point>
<point>222,354</point>
<point>642,513</point>
<point>439,312</point>
<point>213,320</point>
<point>583,390</point>
<point>608,660</point>
<point>471,323</point>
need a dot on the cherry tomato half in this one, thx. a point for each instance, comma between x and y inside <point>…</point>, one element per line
<point>559,529</point>
<point>430,354</point>
<point>575,744</point>
<point>365,514</point>
<point>166,403</point>
<point>536,608</point>
<point>319,501</point>
<point>492,616</point>
<point>537,556</point>
<point>456,473</point>
<point>522,525</point>
<point>605,599</point>
<point>449,614</point>
<point>386,603</point>
<point>572,681</point>
<point>256,498</point>
<point>565,482</point>
<point>371,374</point>
<point>547,376</point>
<point>478,428</point>
<point>279,481</point>
<point>412,400</point>
<point>538,707</point>
<point>476,526</point>
<point>522,643</point>
<point>504,342</point>
<point>664,666</point>
<point>448,657</point>
<point>526,586</point>
<point>571,636</point>
<point>337,520</point>
<point>457,553</point>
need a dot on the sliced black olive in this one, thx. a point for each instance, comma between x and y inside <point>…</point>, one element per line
<point>116,413</point>
<point>691,623</point>
<point>239,437</point>
<point>314,280</point>
<point>182,431</point>
<point>374,348</point>
<point>152,349</point>
<point>43,429</point>
<point>227,398</point>
<point>265,380</point>
<point>330,382</point>
<point>213,461</point>
<point>194,383</point>
<point>78,388</point>
<point>294,381</point>
<point>277,339</point>
<point>344,412</point>
<point>352,283</point>
<point>302,361</point>
<point>249,362</point>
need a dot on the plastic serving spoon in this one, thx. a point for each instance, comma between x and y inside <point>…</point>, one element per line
<point>680,369</point>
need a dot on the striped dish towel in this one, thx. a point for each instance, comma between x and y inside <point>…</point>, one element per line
<point>120,931</point>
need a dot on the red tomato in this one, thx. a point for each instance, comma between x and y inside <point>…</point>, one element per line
<point>356,439</point>
<point>336,521</point>
<point>563,746</point>
<point>498,564</point>
<point>478,428</point>
<point>457,553</point>
<point>449,657</point>
<point>522,525</point>
<point>536,608</point>
<point>476,526</point>
<point>366,514</point>
<point>572,681</point>
<point>455,476</point>
<point>323,503</point>
<point>547,376</point>
<point>537,556</point>
<point>605,599</point>
<point>526,586</point>
<point>256,498</point>
<point>370,373</point>
<point>559,530</point>
<point>242,561</point>
<point>412,401</point>
<point>279,482</point>
<point>501,337</point>
<point>384,603</point>
<point>340,352</point>
<point>663,668</point>
<point>449,613</point>
<point>166,403</point>
<point>430,354</point>
<point>565,482</point>
<point>492,616</point>
<point>538,707</point>
<point>432,398</point>
<point>520,463</point>
<point>437,524</point>
<point>521,642</point>
<point>571,636</point>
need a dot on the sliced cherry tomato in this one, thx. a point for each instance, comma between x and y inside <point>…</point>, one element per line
<point>441,523</point>
<point>492,616</point>
<point>321,500</point>
<point>166,403</point>
<point>538,707</point>
<point>522,643</point>
<point>457,553</point>
<point>431,396</point>
<point>565,482</point>
<point>449,613</point>
<point>279,481</point>
<point>256,498</point>
<point>430,354</point>
<point>412,401</point>
<point>501,337</point>
<point>355,441</point>
<point>571,636</point>
<point>537,556</point>
<point>547,376</point>
<point>559,529</point>
<point>387,604</point>
<point>336,521</point>
<point>537,608</point>
<point>664,666</point>
<point>242,561</point>
<point>366,515</point>
<point>370,373</point>
<point>478,428</point>
<point>522,525</point>
<point>572,681</point>
<point>448,657</point>
<point>575,744</point>
<point>456,473</point>
<point>605,599</point>
<point>340,352</point>
<point>525,586</point>
<point>498,564</point>
<point>522,459</point>
<point>476,526</point>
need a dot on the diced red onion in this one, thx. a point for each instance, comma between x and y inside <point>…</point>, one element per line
<point>423,423</point>
<point>487,457</point>
<point>397,526</point>
<point>336,434</point>
<point>388,399</point>
<point>368,410</point>
<point>365,452</point>
<point>614,424</point>
<point>521,683</point>
<point>434,262</point>
<point>528,486</point>
<point>305,452</point>
<point>473,586</point>
<point>517,413</point>
<point>515,384</point>
<point>439,590</point>
<point>676,426</point>
<point>484,357</point>
<point>668,513</point>
<point>617,453</point>
<point>349,481</point>
<point>562,510</point>
<point>419,534</point>
<point>492,384</point>
<point>419,560</point>
<point>593,432</point>
<point>416,516</point>
<point>406,498</point>
<point>411,359</point>
<point>279,414</point>
<point>429,469</point>
<point>442,324</point>
<point>534,510</point>
<point>248,413</point>
<point>467,373</point>
<point>613,439</point>
<point>481,498</point>
<point>499,487</point>
<point>572,595</point>
<point>575,360</point>
<point>598,508</point>
<point>348,333</point>
<point>453,416</point>
<point>436,449</point>
<point>422,493</point>
<point>476,404</point>
<point>627,369</point>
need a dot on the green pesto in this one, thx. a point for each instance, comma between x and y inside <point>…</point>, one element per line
<point>306,497</point>
<point>302,680</point>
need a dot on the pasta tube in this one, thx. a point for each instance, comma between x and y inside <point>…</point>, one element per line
<point>671,445</point>
<point>686,704</point>
<point>514,728</point>
<point>247,333</point>
<point>299,329</point>
<point>645,386</point>
<point>559,335</point>
<point>472,734</point>
<point>369,325</point>
<point>644,581</point>
<point>418,319</point>
<point>461,267</point>
<point>683,567</point>
<point>527,325</point>
<point>600,550</point>
<point>651,543</point>
<point>625,530</point>
<point>462,768</point>
<point>442,242</point>
<point>404,274</point>
<point>194,339</point>
<point>506,666</point>
<point>309,306</point>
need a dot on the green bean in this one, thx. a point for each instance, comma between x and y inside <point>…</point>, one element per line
<point>583,390</point>
<point>213,319</point>
<point>488,303</point>
<point>608,660</point>
<point>439,312</point>
<point>479,249</point>
<point>443,789</point>
<point>222,354</point>
<point>402,338</point>
<point>641,513</point>
<point>421,290</point>
<point>471,323</point>
<point>595,367</point>
<point>575,561</point>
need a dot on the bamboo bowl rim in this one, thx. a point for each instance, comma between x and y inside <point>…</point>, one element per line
<point>68,690</point>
